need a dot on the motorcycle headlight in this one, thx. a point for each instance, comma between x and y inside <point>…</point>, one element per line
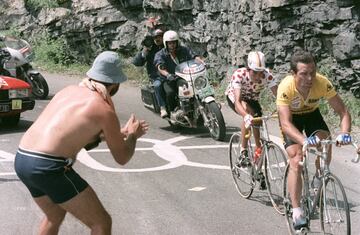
<point>19,93</point>
<point>200,83</point>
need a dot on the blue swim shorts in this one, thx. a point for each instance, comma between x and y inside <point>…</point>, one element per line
<point>44,174</point>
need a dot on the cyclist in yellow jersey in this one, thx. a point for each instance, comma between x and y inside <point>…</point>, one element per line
<point>297,102</point>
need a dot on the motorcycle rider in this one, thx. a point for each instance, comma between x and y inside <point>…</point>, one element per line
<point>243,93</point>
<point>146,56</point>
<point>4,56</point>
<point>167,59</point>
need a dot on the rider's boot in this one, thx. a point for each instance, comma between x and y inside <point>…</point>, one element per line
<point>163,112</point>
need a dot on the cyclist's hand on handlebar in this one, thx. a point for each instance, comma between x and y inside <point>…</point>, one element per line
<point>343,139</point>
<point>248,120</point>
<point>312,141</point>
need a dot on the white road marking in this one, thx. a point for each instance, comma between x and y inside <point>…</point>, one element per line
<point>162,148</point>
<point>197,189</point>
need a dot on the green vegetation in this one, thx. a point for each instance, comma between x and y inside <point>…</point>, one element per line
<point>56,55</point>
<point>36,5</point>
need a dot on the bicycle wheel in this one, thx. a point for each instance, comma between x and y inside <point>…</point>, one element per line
<point>334,207</point>
<point>242,174</point>
<point>304,202</point>
<point>274,170</point>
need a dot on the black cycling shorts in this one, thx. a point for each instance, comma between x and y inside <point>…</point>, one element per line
<point>254,104</point>
<point>308,122</point>
<point>44,174</point>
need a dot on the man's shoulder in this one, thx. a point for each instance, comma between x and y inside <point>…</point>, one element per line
<point>240,72</point>
<point>288,80</point>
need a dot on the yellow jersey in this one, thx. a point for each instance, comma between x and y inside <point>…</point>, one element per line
<point>287,94</point>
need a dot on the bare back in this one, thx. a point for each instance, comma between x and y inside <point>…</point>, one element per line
<point>72,119</point>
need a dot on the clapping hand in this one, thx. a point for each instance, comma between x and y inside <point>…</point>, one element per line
<point>136,127</point>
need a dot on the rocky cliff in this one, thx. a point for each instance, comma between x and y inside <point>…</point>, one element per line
<point>226,29</point>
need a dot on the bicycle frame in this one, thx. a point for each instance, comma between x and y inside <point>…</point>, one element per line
<point>264,136</point>
<point>323,153</point>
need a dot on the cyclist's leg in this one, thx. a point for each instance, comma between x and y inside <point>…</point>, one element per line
<point>294,177</point>
<point>87,207</point>
<point>54,215</point>
<point>253,108</point>
<point>256,111</point>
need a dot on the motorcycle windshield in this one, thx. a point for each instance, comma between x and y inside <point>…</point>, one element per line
<point>15,43</point>
<point>190,67</point>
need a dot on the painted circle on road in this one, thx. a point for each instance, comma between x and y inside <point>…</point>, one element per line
<point>162,148</point>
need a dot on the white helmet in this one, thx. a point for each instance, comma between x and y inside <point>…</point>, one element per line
<point>170,36</point>
<point>256,61</point>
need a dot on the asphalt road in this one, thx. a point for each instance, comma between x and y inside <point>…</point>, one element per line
<point>178,181</point>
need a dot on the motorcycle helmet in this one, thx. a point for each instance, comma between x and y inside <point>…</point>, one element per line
<point>256,61</point>
<point>170,36</point>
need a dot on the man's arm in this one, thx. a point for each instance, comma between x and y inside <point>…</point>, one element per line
<point>287,126</point>
<point>140,58</point>
<point>122,146</point>
<point>238,106</point>
<point>339,107</point>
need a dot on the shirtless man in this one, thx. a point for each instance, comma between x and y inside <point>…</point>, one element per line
<point>75,117</point>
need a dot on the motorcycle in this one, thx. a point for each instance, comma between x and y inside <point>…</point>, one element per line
<point>197,105</point>
<point>18,65</point>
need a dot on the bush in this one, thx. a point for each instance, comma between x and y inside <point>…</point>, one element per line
<point>36,5</point>
<point>54,54</point>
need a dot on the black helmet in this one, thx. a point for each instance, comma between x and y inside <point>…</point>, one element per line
<point>157,32</point>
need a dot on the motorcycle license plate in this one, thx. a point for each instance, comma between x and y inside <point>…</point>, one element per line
<point>16,104</point>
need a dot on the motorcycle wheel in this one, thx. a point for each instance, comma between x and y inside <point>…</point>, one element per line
<point>216,121</point>
<point>40,88</point>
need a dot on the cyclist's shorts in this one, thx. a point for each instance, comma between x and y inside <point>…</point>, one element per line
<point>254,105</point>
<point>44,174</point>
<point>308,122</point>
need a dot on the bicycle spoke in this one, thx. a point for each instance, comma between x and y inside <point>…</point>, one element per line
<point>275,165</point>
<point>240,169</point>
<point>334,208</point>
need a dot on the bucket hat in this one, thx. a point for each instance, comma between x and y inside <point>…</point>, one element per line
<point>107,68</point>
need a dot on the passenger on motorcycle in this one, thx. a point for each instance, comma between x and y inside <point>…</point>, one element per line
<point>146,56</point>
<point>243,93</point>
<point>166,60</point>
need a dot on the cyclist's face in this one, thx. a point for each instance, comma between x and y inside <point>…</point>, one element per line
<point>256,76</point>
<point>305,75</point>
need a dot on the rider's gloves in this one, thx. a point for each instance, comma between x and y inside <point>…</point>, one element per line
<point>171,77</point>
<point>248,119</point>
<point>343,138</point>
<point>312,140</point>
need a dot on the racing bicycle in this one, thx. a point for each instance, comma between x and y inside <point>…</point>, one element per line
<point>270,166</point>
<point>330,196</point>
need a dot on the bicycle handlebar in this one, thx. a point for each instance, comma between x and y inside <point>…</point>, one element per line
<point>324,142</point>
<point>267,117</point>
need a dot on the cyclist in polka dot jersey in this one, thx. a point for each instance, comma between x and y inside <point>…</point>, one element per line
<point>244,90</point>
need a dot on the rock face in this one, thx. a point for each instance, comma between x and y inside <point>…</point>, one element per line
<point>226,29</point>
